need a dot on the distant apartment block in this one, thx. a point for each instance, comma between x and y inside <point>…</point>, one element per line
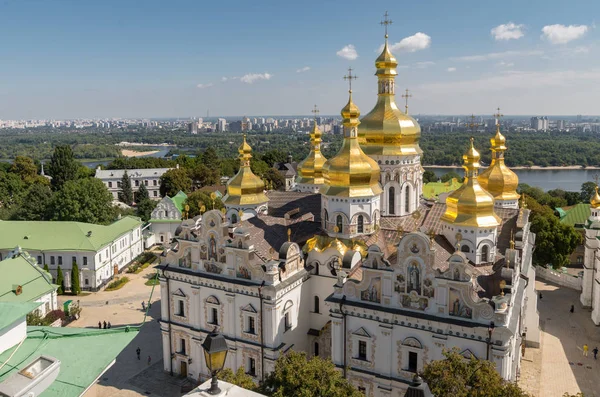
<point>539,123</point>
<point>150,177</point>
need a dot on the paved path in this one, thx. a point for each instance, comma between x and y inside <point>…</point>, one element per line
<point>559,366</point>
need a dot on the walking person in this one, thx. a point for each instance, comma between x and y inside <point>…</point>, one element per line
<point>104,324</point>
<point>585,350</point>
<point>572,308</point>
<point>143,306</point>
<point>109,325</point>
<point>149,360</point>
<point>541,296</point>
<point>138,351</point>
<point>595,351</point>
<point>99,325</point>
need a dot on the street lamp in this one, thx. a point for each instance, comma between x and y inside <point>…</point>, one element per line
<point>215,352</point>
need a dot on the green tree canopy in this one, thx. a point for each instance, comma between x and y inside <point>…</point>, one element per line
<point>144,209</point>
<point>274,178</point>
<point>587,191</point>
<point>296,376</point>
<point>60,281</point>
<point>210,158</point>
<point>198,198</point>
<point>126,192</point>
<point>455,376</point>
<point>203,175</point>
<point>429,176</point>
<point>448,176</point>
<point>172,181</point>
<point>142,194</point>
<point>239,378</point>
<point>85,200</point>
<point>63,167</point>
<point>75,287</point>
<point>36,204</point>
<point>25,168</point>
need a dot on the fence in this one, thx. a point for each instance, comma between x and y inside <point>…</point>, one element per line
<point>566,280</point>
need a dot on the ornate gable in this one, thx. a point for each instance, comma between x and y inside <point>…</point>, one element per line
<point>179,292</point>
<point>361,332</point>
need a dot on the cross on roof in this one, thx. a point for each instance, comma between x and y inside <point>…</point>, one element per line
<point>385,23</point>
<point>406,96</point>
<point>315,111</point>
<point>473,125</point>
<point>597,178</point>
<point>498,115</point>
<point>350,77</point>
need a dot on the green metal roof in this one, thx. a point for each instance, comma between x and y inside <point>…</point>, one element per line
<point>34,281</point>
<point>84,353</point>
<point>577,215</point>
<point>11,312</point>
<point>434,189</point>
<point>179,199</point>
<point>62,236</point>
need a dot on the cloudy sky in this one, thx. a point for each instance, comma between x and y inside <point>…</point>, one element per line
<point>133,58</point>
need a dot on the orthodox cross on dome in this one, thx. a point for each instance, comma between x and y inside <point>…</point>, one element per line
<point>498,115</point>
<point>406,96</point>
<point>315,111</point>
<point>597,178</point>
<point>350,77</point>
<point>386,22</point>
<point>473,125</point>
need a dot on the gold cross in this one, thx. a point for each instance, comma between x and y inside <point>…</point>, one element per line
<point>473,125</point>
<point>498,115</point>
<point>315,111</point>
<point>350,77</point>
<point>597,178</point>
<point>386,22</point>
<point>406,96</point>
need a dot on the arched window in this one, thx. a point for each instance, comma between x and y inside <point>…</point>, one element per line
<point>316,349</point>
<point>234,218</point>
<point>484,253</point>
<point>361,222</point>
<point>391,200</point>
<point>212,248</point>
<point>316,304</point>
<point>339,223</point>
<point>407,199</point>
<point>465,248</point>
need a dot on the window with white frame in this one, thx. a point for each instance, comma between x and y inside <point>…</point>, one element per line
<point>251,324</point>
<point>412,353</point>
<point>212,310</point>
<point>180,308</point>
<point>251,366</point>
<point>362,342</point>
<point>287,315</point>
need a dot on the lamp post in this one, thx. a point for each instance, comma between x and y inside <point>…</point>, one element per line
<point>215,352</point>
<point>489,341</point>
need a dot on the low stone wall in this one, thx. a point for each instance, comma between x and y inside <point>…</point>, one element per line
<point>566,280</point>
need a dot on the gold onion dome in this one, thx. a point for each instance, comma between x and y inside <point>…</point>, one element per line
<point>498,179</point>
<point>386,130</point>
<point>595,200</point>
<point>310,170</point>
<point>351,173</point>
<point>245,188</point>
<point>470,204</point>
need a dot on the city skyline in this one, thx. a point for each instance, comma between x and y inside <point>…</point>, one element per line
<point>113,60</point>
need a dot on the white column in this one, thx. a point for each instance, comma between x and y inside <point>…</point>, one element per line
<point>337,341</point>
<point>166,351</point>
<point>164,300</point>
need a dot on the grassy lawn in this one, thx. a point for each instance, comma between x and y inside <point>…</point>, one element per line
<point>117,284</point>
<point>152,281</point>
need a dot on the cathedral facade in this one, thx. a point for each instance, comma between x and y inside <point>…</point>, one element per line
<point>356,266</point>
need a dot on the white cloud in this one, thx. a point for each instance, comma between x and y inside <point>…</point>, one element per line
<point>418,41</point>
<point>506,64</point>
<point>205,85</point>
<point>348,52</point>
<point>497,55</point>
<point>423,65</point>
<point>224,79</point>
<point>252,77</point>
<point>507,31</point>
<point>451,69</point>
<point>561,34</point>
<point>304,69</point>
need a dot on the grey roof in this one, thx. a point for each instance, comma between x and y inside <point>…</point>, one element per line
<point>139,173</point>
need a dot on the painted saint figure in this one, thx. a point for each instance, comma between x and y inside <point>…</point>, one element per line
<point>414,279</point>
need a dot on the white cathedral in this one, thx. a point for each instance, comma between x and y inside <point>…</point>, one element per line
<point>355,266</point>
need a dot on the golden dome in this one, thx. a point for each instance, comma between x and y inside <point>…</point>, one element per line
<point>470,204</point>
<point>351,173</point>
<point>310,170</point>
<point>386,130</point>
<point>498,179</point>
<point>595,201</point>
<point>245,188</point>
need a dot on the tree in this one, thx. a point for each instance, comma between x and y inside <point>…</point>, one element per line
<point>275,179</point>
<point>239,378</point>
<point>63,167</point>
<point>60,281</point>
<point>12,190</point>
<point>203,175</point>
<point>75,287</point>
<point>294,376</point>
<point>172,181</point>
<point>144,209</point>
<point>25,168</point>
<point>46,268</point>
<point>142,194</point>
<point>448,176</point>
<point>429,176</point>
<point>126,192</point>
<point>36,204</point>
<point>210,158</point>
<point>588,189</point>
<point>86,200</point>
<point>198,198</point>
<point>455,376</point>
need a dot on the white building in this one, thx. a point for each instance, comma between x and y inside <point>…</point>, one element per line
<point>150,177</point>
<point>590,294</point>
<point>99,251</point>
<point>365,272</point>
<point>166,218</point>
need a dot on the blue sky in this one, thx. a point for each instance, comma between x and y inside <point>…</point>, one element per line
<point>148,58</point>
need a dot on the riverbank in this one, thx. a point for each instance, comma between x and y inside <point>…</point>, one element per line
<point>533,167</point>
<point>135,153</point>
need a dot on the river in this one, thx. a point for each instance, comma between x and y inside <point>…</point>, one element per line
<point>569,180</point>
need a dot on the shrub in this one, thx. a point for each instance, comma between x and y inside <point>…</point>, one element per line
<point>117,284</point>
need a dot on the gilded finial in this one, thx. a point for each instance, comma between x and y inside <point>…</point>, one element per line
<point>385,23</point>
<point>512,239</point>
<point>523,202</point>
<point>497,116</point>
<point>336,229</point>
<point>315,111</point>
<point>350,77</point>
<point>472,125</point>
<point>406,96</point>
<point>241,215</point>
<point>289,233</point>
<point>502,285</point>
<point>431,235</point>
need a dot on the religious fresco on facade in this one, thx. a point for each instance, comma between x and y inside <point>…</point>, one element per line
<point>457,305</point>
<point>186,259</point>
<point>414,278</point>
<point>212,248</point>
<point>373,293</point>
<point>400,283</point>
<point>243,273</point>
<point>428,288</point>
<point>212,268</point>
<point>413,301</point>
